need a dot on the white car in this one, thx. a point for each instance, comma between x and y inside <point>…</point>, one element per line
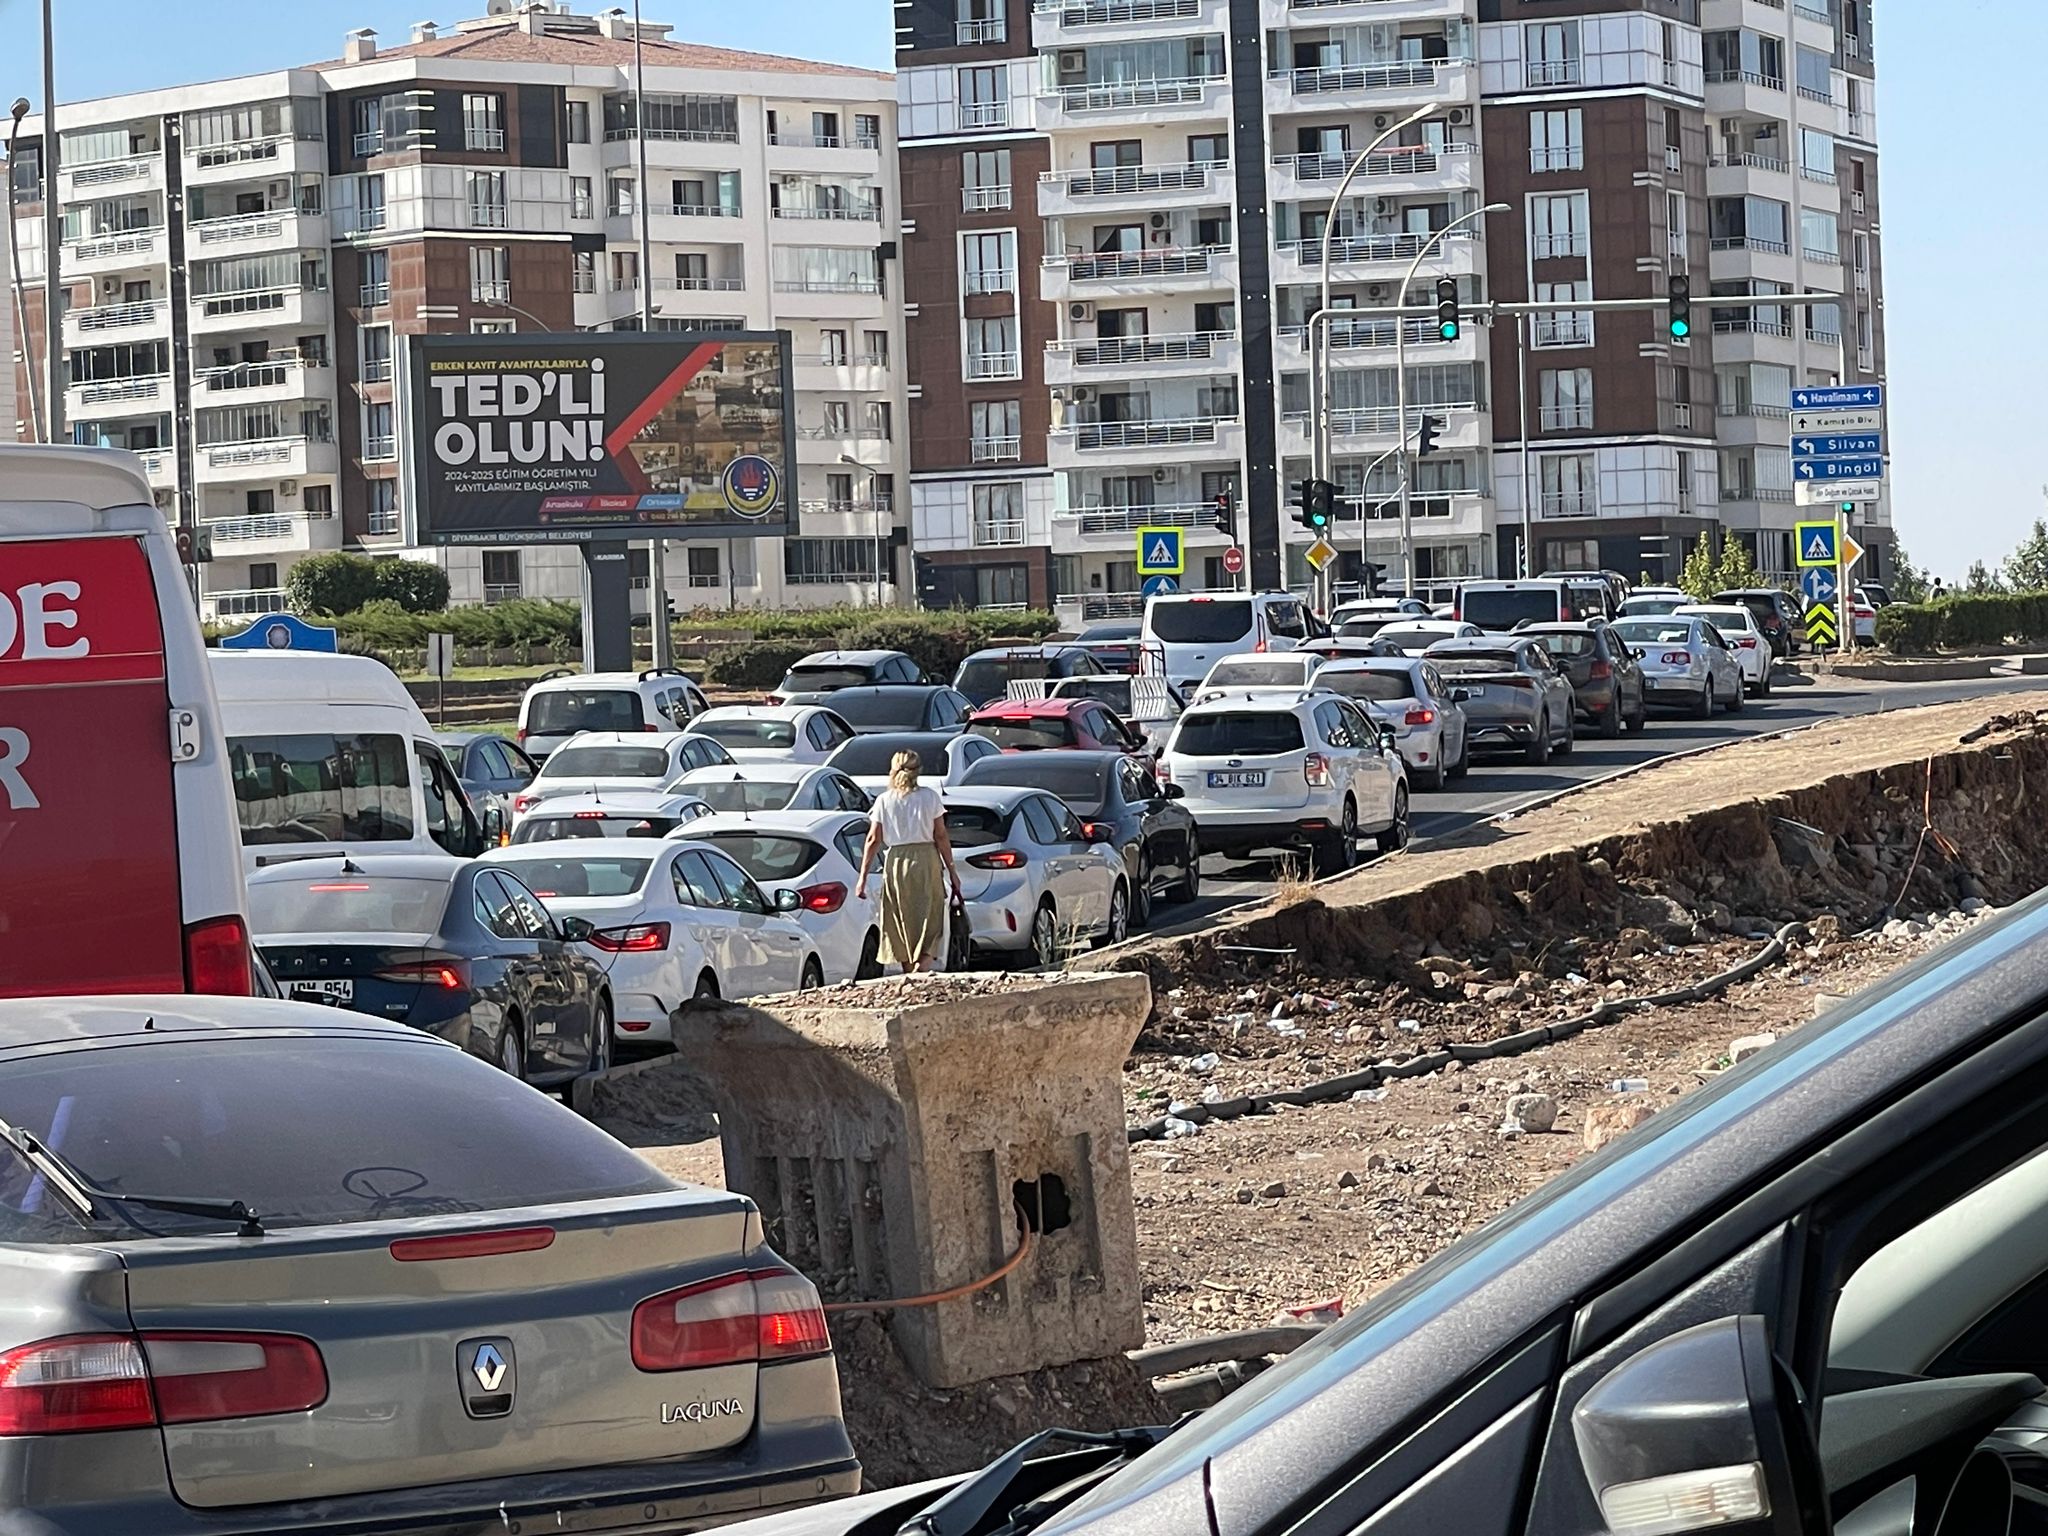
<point>1036,885</point>
<point>631,813</point>
<point>816,855</point>
<point>1413,638</point>
<point>1379,607</point>
<point>775,787</point>
<point>1289,771</point>
<point>604,762</point>
<point>1863,612</point>
<point>774,733</point>
<point>1685,661</point>
<point>1746,639</point>
<point>674,921</point>
<point>1273,669</point>
<point>1652,603</point>
<point>1411,696</point>
<point>945,757</point>
<point>567,704</point>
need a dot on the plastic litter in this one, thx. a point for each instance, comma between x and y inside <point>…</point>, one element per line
<point>1175,1128</point>
<point>1629,1085</point>
<point>1206,1062</point>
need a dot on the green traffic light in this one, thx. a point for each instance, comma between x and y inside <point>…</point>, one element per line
<point>1449,330</point>
<point>1681,329</point>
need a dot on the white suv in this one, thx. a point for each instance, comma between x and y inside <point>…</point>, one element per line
<point>565,704</point>
<point>1306,770</point>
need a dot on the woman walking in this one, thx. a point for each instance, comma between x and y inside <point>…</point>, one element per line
<point>910,821</point>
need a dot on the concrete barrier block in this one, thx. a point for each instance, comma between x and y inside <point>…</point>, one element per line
<point>889,1146</point>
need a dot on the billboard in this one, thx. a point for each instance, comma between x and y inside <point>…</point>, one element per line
<point>525,439</point>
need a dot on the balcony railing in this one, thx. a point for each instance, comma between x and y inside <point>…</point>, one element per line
<point>1751,243</point>
<point>371,143</point>
<point>1569,504</point>
<point>682,135</point>
<point>998,531</point>
<point>1753,324</point>
<point>377,450</point>
<point>247,602</point>
<point>1823,338</point>
<point>1552,72</point>
<point>1552,157</point>
<point>489,291</point>
<point>847,505</point>
<point>1752,160</point>
<point>1131,95</point>
<point>1365,248</point>
<point>995,450</point>
<point>1407,160</point>
<point>242,226</point>
<point>699,211</point>
<point>995,365</point>
<point>1565,418</point>
<point>376,370</point>
<point>857,213</point>
<point>1823,258</point>
<point>1419,74</point>
<point>119,317</point>
<point>984,114</point>
<point>1566,330</point>
<point>984,199</point>
<point>111,173</point>
<point>1109,13</point>
<point>128,242</point>
<point>115,391</point>
<point>262,525</point>
<point>258,301</point>
<point>246,152</point>
<point>828,285</point>
<point>989,280</point>
<point>1758,409</point>
<point>501,592</point>
<point>1745,77</point>
<point>992,29</point>
<point>1116,351</point>
<point>1814,93</point>
<point>1088,435</point>
<point>270,373</point>
<point>1123,180</point>
<point>1113,265</point>
<point>269,450</point>
<point>1344,334</point>
<point>1095,521</point>
<point>483,138</point>
<point>487,215</point>
<point>367,221</point>
<point>1371,420</point>
<point>373,294</point>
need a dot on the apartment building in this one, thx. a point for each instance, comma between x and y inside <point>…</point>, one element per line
<point>1119,221</point>
<point>243,260</point>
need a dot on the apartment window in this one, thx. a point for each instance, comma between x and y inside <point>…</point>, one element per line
<point>985,180</point>
<point>980,21</point>
<point>989,262</point>
<point>825,129</point>
<point>1557,140</point>
<point>1753,389</point>
<point>579,122</point>
<point>877,420</point>
<point>1817,155</point>
<point>825,269</point>
<point>1551,49</point>
<point>995,432</point>
<point>390,123</point>
<point>376,278</point>
<point>1815,74</point>
<point>1820,236</point>
<point>483,122</point>
<point>582,198</point>
<point>1564,328</point>
<point>1866,337</point>
<point>1759,223</point>
<point>1002,586</point>
<point>376,353</point>
<point>490,274</point>
<point>999,514</point>
<point>493,327</point>
<point>1675,230</point>
<point>318,500</point>
<point>838,418</point>
<point>1209,149</point>
<point>839,492</point>
<point>263,575</point>
<point>694,119</point>
<point>370,212</point>
<point>867,130</point>
<point>832,350</point>
<point>625,274</point>
<point>875,348</point>
<point>1557,225</point>
<point>992,349</point>
<point>814,562</point>
<point>693,271</point>
<point>487,199</point>
<point>984,96</point>
<point>1569,484</point>
<point>379,442</point>
<point>501,575</point>
<point>701,566</point>
<point>1684,479</point>
<point>583,272</point>
<point>618,195</point>
<point>1566,395</point>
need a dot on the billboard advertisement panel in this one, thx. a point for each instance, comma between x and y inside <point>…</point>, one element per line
<point>524,439</point>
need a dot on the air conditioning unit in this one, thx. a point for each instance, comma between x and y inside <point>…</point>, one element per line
<point>1160,220</point>
<point>1073,61</point>
<point>1381,121</point>
<point>1460,116</point>
<point>1084,395</point>
<point>288,487</point>
<point>1376,291</point>
<point>1081,310</point>
<point>1161,476</point>
<point>279,189</point>
<point>110,286</point>
<point>1383,207</point>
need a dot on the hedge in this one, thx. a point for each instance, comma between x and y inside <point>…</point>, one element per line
<point>756,664</point>
<point>829,625</point>
<point>527,621</point>
<point>1956,623</point>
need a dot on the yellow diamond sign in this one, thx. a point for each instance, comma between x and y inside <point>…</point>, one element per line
<point>1321,553</point>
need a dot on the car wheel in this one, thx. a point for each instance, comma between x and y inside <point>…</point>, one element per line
<point>1763,689</point>
<point>1190,884</point>
<point>1045,936</point>
<point>1610,720</point>
<point>1433,778</point>
<point>959,939</point>
<point>1463,765</point>
<point>1704,710</point>
<point>707,989</point>
<point>1339,851</point>
<point>1141,892</point>
<point>1538,750</point>
<point>1395,838</point>
<point>601,1033</point>
<point>1641,718</point>
<point>1735,699</point>
<point>511,1052</point>
<point>813,976</point>
<point>1571,733</point>
<point>1119,927</point>
<point>870,965</point>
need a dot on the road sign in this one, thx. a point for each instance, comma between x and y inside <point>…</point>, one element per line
<point>1837,397</point>
<point>1838,469</point>
<point>1819,543</point>
<point>1321,553</point>
<point>1162,551</point>
<point>440,656</point>
<point>1817,582</point>
<point>1821,627</point>
<point>1233,561</point>
<point>1851,551</point>
<point>281,632</point>
<point>1825,493</point>
<point>1837,421</point>
<point>1160,586</point>
<point>1846,445</point>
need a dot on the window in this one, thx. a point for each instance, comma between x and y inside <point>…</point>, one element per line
<point>379,443</point>
<point>1002,586</point>
<point>832,348</point>
<point>875,348</point>
<point>501,575</point>
<point>490,274</point>
<point>995,432</point>
<point>984,96</point>
<point>483,122</point>
<point>838,418</point>
<point>980,21</point>
<point>393,122</point>
<point>370,211</point>
<point>1557,140</point>
<point>376,353</point>
<point>583,272</point>
<point>989,262</point>
<point>876,420</point>
<point>992,349</point>
<point>1209,149</point>
<point>618,196</point>
<point>702,566</point>
<point>985,180</point>
<point>825,269</point>
<point>1817,155</point>
<point>383,507</point>
<point>318,500</point>
<point>999,513</point>
<point>838,492</point>
<point>1815,74</point>
<point>1675,228</point>
<point>695,119</point>
<point>1567,399</point>
<point>579,122</point>
<point>1820,236</point>
<point>1551,51</point>
<point>487,199</point>
<point>867,130</point>
<point>493,327</point>
<point>1568,484</point>
<point>582,198</point>
<point>376,278</point>
<point>1557,225</point>
<point>812,562</point>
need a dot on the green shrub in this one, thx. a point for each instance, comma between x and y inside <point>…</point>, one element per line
<point>1908,629</point>
<point>336,582</point>
<point>1970,620</point>
<point>756,664</point>
<point>417,586</point>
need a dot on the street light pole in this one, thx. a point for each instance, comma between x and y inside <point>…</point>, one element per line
<point>874,506</point>
<point>53,287</point>
<point>657,548</point>
<point>35,420</point>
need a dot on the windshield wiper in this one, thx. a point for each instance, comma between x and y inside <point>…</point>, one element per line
<point>80,1193</point>
<point>963,1510</point>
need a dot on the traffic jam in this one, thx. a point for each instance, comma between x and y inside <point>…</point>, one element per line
<point>268,1266</point>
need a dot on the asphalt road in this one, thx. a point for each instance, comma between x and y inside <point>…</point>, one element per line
<point>1498,785</point>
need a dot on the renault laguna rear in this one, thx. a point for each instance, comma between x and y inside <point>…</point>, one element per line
<point>266,1268</point>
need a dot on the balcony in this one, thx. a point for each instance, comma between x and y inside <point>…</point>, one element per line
<point>111,178</point>
<point>105,324</point>
<point>1371,427</point>
<point>1364,334</point>
<point>985,199</point>
<point>1567,504</point>
<point>367,144</point>
<point>283,227</point>
<point>1574,329</point>
<point>123,251</point>
<point>1540,74</point>
<point>1076,23</point>
<point>977,34</point>
<point>280,155</point>
<point>1372,257</point>
<point>856,373</point>
<point>1369,87</point>
<point>993,366</point>
<point>247,603</point>
<point>260,309</point>
<point>1572,245</point>
<point>160,465</point>
<point>147,395</point>
<point>1417,168</point>
<point>1119,523</point>
<point>1565,418</point>
<point>1125,186</point>
<point>984,114</point>
<point>274,458</point>
<point>1172,270</point>
<point>1189,354</point>
<point>372,295</point>
<point>1136,103</point>
<point>1076,445</point>
<point>274,532</point>
<point>283,377</point>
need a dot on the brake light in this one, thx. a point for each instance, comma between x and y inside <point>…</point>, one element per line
<point>1747,642</point>
<point>590,815</point>
<point>1678,658</point>
<point>764,1315</point>
<point>827,897</point>
<point>635,939</point>
<point>774,698</point>
<point>524,803</point>
<point>1316,769</point>
<point>520,735</point>
<point>1420,717</point>
<point>427,973</point>
<point>472,1245</point>
<point>1164,770</point>
<point>1002,858</point>
<point>87,1382</point>
<point>1600,671</point>
<point>1095,829</point>
<point>339,885</point>
<point>217,962</point>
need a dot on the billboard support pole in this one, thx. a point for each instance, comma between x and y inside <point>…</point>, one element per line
<point>657,549</point>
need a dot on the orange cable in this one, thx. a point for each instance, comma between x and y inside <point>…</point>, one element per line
<point>954,1294</point>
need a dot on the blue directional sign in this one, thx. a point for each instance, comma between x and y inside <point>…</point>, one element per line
<point>1814,445</point>
<point>1838,469</point>
<point>1851,397</point>
<point>1161,552</point>
<point>1160,586</point>
<point>1818,583</point>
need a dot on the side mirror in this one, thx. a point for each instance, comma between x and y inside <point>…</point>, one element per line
<point>1099,832</point>
<point>788,901</point>
<point>576,930</point>
<point>1389,742</point>
<point>1173,791</point>
<point>1460,695</point>
<point>1691,1433</point>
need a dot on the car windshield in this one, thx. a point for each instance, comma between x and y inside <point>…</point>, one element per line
<point>975,826</point>
<point>1570,644</point>
<point>1199,623</point>
<point>552,829</point>
<point>1026,733</point>
<point>574,762</point>
<point>868,757</point>
<point>1505,607</point>
<point>769,856</point>
<point>743,733</point>
<point>1113,691</point>
<point>1237,733</point>
<point>878,708</point>
<point>595,874</point>
<point>1650,632</point>
<point>1479,661</point>
<point>988,677</point>
<point>565,711</point>
<point>204,1118</point>
<point>744,794</point>
<point>1380,687</point>
<point>1278,672</point>
<point>348,903</point>
<point>1082,784</point>
<point>823,679</point>
<point>321,788</point>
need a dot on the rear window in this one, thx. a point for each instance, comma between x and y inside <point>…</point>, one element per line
<point>591,875</point>
<point>1569,645</point>
<point>1652,605</point>
<point>975,826</point>
<point>767,856</point>
<point>868,757</point>
<point>906,710</point>
<point>1650,632</point>
<point>573,762</point>
<point>322,789</point>
<point>1407,636</point>
<point>1238,733</point>
<point>1026,733</point>
<point>1380,687</point>
<point>748,733</point>
<point>744,795</point>
<point>1478,661</point>
<point>398,1128</point>
<point>990,676</point>
<point>347,904</point>
<point>1079,784</point>
<point>1504,608</point>
<point>1737,619</point>
<point>1366,627</point>
<point>1199,623</point>
<point>1277,673</point>
<point>824,679</point>
<point>564,711</point>
<point>553,829</point>
<point>1112,691</point>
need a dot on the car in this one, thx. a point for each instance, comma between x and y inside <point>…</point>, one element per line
<point>604,762</point>
<point>902,707</point>
<point>666,928</point>
<point>1777,613</point>
<point>1379,607</point>
<point>1036,886</point>
<point>1413,637</point>
<point>565,704</point>
<point>1652,605</point>
<point>1147,703</point>
<point>1330,648</point>
<point>774,787</point>
<point>1685,662</point>
<point>442,945</point>
<point>1615,585</point>
<point>774,733</point>
<point>1035,725</point>
<point>1118,644</point>
<point>621,813</point>
<point>945,756</point>
<point>116,799</point>
<point>1409,695</point>
<point>1303,772</point>
<point>986,675</point>
<point>1877,594</point>
<point>1291,670</point>
<point>1515,698</point>
<point>1864,613</point>
<point>824,673</point>
<point>490,769</point>
<point>1161,849</point>
<point>1499,606</point>
<point>1746,641</point>
<point>1365,626</point>
<point>815,857</point>
<point>245,1229</point>
<point>1607,685</point>
<point>1184,633</point>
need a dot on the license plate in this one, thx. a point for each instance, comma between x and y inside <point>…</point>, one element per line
<point>1245,778</point>
<point>335,994</point>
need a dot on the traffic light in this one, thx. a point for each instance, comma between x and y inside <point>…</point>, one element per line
<point>1314,504</point>
<point>1225,521</point>
<point>1848,509</point>
<point>1447,308</point>
<point>1680,294</point>
<point>1375,579</point>
<point>1425,437</point>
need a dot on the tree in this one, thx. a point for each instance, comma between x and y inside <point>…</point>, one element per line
<point>417,586</point>
<point>1981,581</point>
<point>1701,576</point>
<point>1909,582</point>
<point>2026,568</point>
<point>329,584</point>
<point>1736,568</point>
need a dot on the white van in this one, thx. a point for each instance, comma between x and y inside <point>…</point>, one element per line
<point>1188,632</point>
<point>117,865</point>
<point>329,754</point>
<point>1498,606</point>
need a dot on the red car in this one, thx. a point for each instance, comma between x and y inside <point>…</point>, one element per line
<point>1038,725</point>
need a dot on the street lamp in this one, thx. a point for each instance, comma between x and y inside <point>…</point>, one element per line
<point>20,110</point>
<point>875,506</point>
<point>524,314</point>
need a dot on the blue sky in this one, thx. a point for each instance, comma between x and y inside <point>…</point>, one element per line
<point>1962,255</point>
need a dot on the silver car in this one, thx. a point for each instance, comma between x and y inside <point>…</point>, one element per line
<point>1515,698</point>
<point>1411,697</point>
<point>268,1268</point>
<point>1037,885</point>
<point>1685,662</point>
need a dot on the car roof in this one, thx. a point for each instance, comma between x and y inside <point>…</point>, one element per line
<point>1355,664</point>
<point>753,773</point>
<point>1750,592</point>
<point>391,866</point>
<point>907,740</point>
<point>464,738</point>
<point>845,658</point>
<point>1065,704</point>
<point>625,802</point>
<point>308,677</point>
<point>1703,610</point>
<point>35,1021</point>
<point>990,797</point>
<point>1099,757</point>
<point>1119,629</point>
<point>824,822</point>
<point>608,680</point>
<point>760,712</point>
<point>1559,627</point>
<point>1457,643</point>
<point>661,742</point>
<point>890,691</point>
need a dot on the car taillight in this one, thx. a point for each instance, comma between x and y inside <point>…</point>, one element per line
<point>1600,671</point>
<point>89,1382</point>
<point>447,975</point>
<point>1002,858</point>
<point>1316,769</point>
<point>1094,829</point>
<point>775,698</point>
<point>636,939</point>
<point>1420,717</point>
<point>827,897</point>
<point>1747,642</point>
<point>217,959</point>
<point>1678,658</point>
<point>1165,771</point>
<point>472,1245</point>
<point>520,735</point>
<point>753,1317</point>
<point>590,815</point>
<point>523,803</point>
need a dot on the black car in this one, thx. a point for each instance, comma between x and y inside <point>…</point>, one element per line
<point>490,769</point>
<point>1607,683</point>
<point>1777,614</point>
<point>457,949</point>
<point>873,707</point>
<point>1115,643</point>
<point>818,677</point>
<point>1112,789</point>
<point>986,675</point>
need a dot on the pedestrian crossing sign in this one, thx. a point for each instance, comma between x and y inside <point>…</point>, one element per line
<point>1819,543</point>
<point>1162,551</point>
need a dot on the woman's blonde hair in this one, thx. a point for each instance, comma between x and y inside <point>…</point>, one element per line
<point>903,770</point>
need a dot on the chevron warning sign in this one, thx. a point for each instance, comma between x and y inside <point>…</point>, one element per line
<point>1822,627</point>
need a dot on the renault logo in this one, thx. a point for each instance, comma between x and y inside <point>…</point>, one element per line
<point>489,1368</point>
<point>487,1377</point>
